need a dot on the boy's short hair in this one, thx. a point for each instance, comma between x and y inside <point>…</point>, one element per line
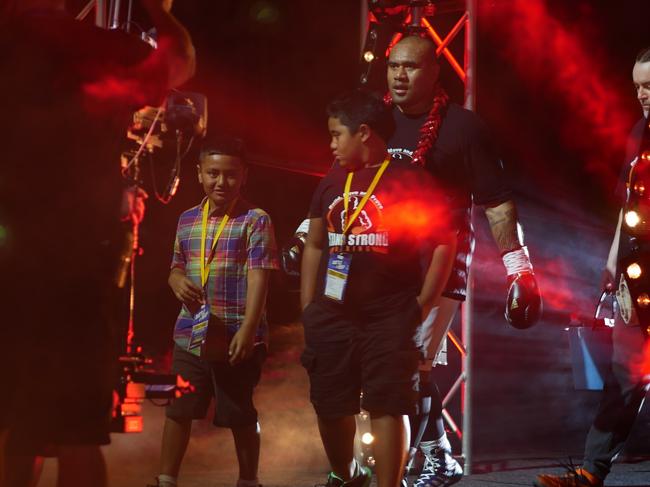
<point>359,107</point>
<point>227,146</point>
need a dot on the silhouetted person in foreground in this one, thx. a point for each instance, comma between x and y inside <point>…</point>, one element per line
<point>68,89</point>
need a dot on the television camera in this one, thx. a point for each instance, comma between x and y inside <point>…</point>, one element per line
<point>180,120</point>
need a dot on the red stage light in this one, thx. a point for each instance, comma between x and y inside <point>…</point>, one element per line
<point>415,209</point>
<point>133,424</point>
<point>643,300</point>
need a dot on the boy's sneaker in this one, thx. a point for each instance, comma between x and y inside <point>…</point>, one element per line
<point>440,470</point>
<point>574,477</point>
<point>361,480</point>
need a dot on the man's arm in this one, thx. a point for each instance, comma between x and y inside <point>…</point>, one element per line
<point>242,343</point>
<point>311,258</point>
<point>612,257</point>
<point>504,226</point>
<point>437,274</point>
<point>523,302</point>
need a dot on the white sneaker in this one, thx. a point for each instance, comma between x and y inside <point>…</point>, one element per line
<point>440,470</point>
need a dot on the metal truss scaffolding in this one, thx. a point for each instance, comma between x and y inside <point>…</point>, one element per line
<point>100,12</point>
<point>107,13</point>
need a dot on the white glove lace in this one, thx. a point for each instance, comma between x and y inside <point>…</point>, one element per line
<point>517,261</point>
<point>303,227</point>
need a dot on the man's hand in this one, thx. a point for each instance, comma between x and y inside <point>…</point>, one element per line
<point>524,301</point>
<point>185,290</point>
<point>241,345</point>
<point>607,282</point>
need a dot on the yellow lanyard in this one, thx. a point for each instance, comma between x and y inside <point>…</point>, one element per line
<point>366,197</point>
<point>205,266</point>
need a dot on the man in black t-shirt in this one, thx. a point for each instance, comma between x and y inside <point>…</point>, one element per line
<point>69,89</point>
<point>627,380</point>
<point>362,290</point>
<point>453,145</point>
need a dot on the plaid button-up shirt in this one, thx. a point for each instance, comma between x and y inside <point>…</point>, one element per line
<point>247,242</point>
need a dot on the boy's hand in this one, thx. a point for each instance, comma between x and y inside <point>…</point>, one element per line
<point>185,289</point>
<point>426,308</point>
<point>241,345</point>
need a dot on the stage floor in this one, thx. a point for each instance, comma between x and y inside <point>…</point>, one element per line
<point>503,472</point>
<point>521,427</point>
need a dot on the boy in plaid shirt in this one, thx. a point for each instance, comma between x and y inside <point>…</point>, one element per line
<point>223,255</point>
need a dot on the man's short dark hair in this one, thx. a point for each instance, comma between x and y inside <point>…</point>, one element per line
<point>360,107</point>
<point>643,56</point>
<point>227,146</point>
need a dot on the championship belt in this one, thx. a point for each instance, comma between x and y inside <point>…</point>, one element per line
<point>624,300</point>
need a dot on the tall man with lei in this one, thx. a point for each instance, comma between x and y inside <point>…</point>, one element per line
<point>453,145</point>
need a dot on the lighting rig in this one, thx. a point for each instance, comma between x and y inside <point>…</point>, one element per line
<point>635,266</point>
<point>180,120</point>
<point>388,20</point>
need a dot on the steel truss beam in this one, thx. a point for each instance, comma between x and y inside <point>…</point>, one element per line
<point>100,12</point>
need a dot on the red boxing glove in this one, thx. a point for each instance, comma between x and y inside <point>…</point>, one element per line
<point>524,301</point>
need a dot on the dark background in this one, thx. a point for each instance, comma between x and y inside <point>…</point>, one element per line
<point>554,85</point>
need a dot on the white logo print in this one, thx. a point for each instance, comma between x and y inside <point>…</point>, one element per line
<point>363,219</point>
<point>399,154</point>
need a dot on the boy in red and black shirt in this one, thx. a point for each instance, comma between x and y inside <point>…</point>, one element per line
<point>364,287</point>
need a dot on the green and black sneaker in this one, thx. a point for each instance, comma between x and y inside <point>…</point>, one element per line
<point>361,480</point>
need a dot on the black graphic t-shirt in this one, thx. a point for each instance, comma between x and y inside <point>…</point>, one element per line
<point>405,218</point>
<point>463,158</point>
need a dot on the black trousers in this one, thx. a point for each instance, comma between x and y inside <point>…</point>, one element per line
<point>622,399</point>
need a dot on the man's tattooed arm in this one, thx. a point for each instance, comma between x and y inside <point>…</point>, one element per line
<point>505,228</point>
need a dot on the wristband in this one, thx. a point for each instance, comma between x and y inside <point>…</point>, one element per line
<point>517,261</point>
<point>303,227</point>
